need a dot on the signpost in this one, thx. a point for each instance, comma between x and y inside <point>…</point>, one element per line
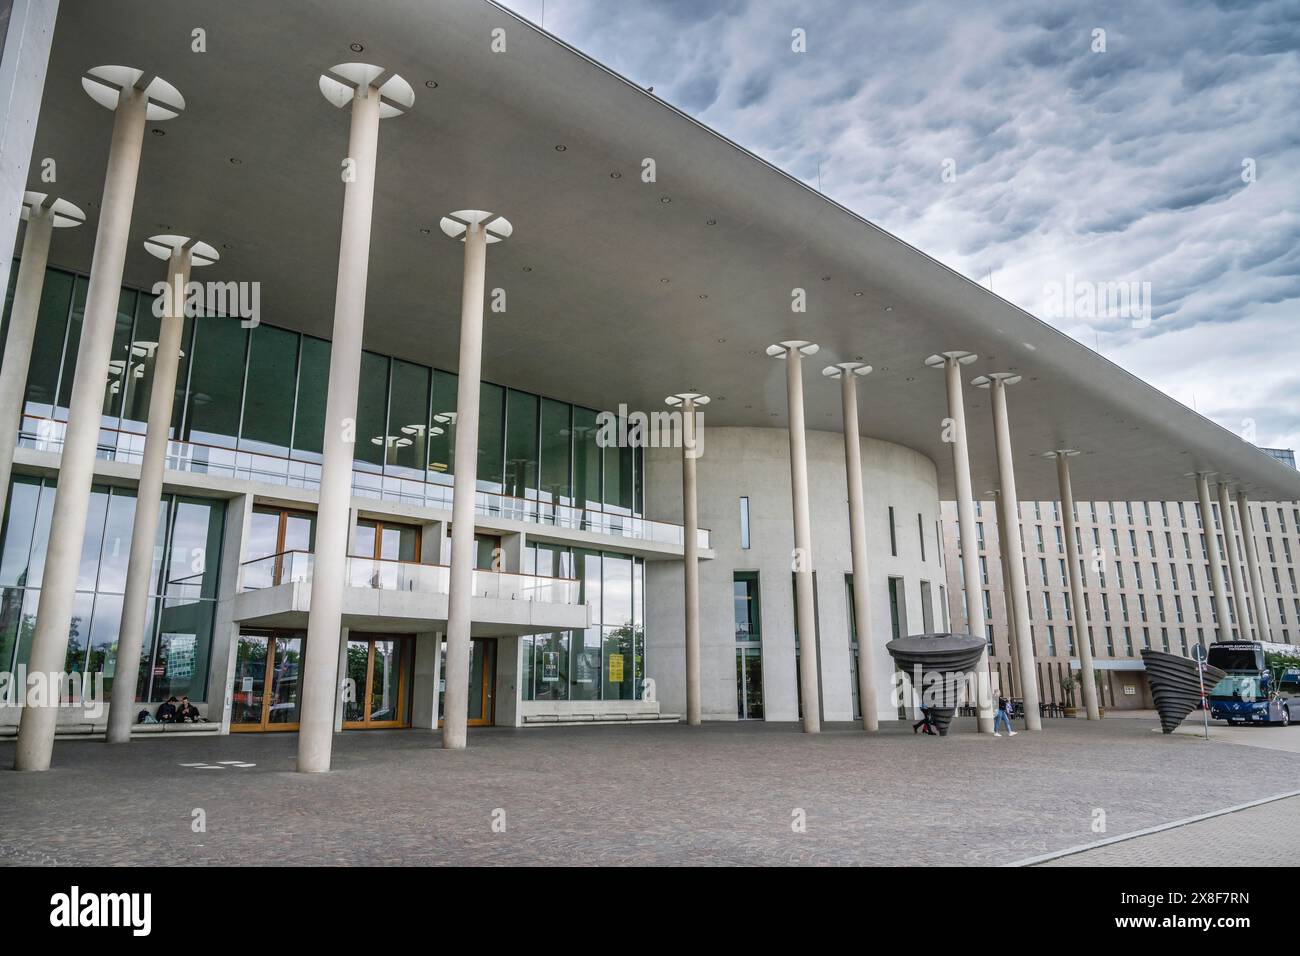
<point>1199,655</point>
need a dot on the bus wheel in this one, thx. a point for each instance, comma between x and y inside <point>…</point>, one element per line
<point>1286,716</point>
<point>1231,722</point>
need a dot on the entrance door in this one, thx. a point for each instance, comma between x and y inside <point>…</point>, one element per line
<point>482,682</point>
<point>377,671</point>
<point>266,687</point>
<point>749,683</point>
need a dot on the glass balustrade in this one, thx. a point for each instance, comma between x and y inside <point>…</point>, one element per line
<point>382,575</point>
<point>43,434</point>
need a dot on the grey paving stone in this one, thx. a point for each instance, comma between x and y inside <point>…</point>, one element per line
<point>716,795</point>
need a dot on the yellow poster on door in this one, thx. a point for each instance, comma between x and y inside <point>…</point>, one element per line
<point>616,668</point>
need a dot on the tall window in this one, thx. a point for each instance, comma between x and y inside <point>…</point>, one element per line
<point>250,403</point>
<point>744,523</point>
<point>607,660</point>
<point>182,586</point>
<point>749,645</point>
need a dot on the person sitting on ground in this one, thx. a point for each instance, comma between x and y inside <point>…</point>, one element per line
<point>166,713</point>
<point>187,713</point>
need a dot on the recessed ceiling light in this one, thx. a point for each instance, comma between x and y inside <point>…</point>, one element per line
<point>424,232</point>
<point>528,268</point>
<point>226,245</point>
<point>158,132</point>
<point>431,84</point>
<point>560,147</point>
<point>615,175</point>
<point>356,47</point>
<point>889,308</point>
<point>858,294</point>
<point>665,281</point>
<point>665,199</point>
<point>703,296</point>
<point>722,340</point>
<point>235,161</point>
<point>710,222</point>
<point>826,278</point>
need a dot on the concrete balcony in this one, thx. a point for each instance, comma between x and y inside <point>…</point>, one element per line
<point>402,597</point>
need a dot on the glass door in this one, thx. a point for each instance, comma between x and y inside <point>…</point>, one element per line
<point>377,673</point>
<point>482,682</point>
<point>273,531</point>
<point>389,542</point>
<point>266,685</point>
<point>749,683</point>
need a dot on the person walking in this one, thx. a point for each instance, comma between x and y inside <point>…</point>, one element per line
<point>1001,718</point>
<point>924,723</point>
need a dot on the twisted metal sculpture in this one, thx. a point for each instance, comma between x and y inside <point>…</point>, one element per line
<point>1176,685</point>
<point>942,663</point>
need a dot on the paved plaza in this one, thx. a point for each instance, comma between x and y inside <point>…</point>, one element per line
<point>718,794</point>
<point>1266,835</point>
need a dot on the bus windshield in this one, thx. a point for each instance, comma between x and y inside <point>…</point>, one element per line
<point>1238,687</point>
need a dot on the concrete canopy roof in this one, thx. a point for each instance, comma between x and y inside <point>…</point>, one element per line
<point>590,318</point>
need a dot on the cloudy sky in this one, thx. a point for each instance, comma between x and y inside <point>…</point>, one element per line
<point>1002,139</point>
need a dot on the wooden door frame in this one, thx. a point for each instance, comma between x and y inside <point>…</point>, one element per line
<point>379,525</point>
<point>272,637</point>
<point>488,705</point>
<point>406,660</point>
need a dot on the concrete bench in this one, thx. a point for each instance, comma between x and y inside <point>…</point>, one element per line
<point>200,728</point>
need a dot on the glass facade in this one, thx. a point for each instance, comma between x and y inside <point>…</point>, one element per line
<point>250,403</point>
<point>749,645</point>
<point>183,585</point>
<point>607,660</point>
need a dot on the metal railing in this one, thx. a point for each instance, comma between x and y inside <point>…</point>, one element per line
<point>46,434</point>
<point>385,575</point>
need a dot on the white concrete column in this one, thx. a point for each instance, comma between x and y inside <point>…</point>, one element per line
<point>997,383</point>
<point>792,353</point>
<point>1013,648</point>
<point>476,229</point>
<point>1212,555</point>
<point>1234,565</point>
<point>116,88</point>
<point>373,93</point>
<point>848,374</point>
<point>951,363</point>
<point>27,38</point>
<point>1078,608</point>
<point>180,252</point>
<point>688,402</point>
<point>1263,631</point>
<point>43,214</point>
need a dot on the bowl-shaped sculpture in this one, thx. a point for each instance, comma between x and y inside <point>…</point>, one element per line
<point>939,666</point>
<point>1176,685</point>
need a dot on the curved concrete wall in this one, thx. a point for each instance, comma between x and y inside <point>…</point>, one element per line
<point>755,462</point>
